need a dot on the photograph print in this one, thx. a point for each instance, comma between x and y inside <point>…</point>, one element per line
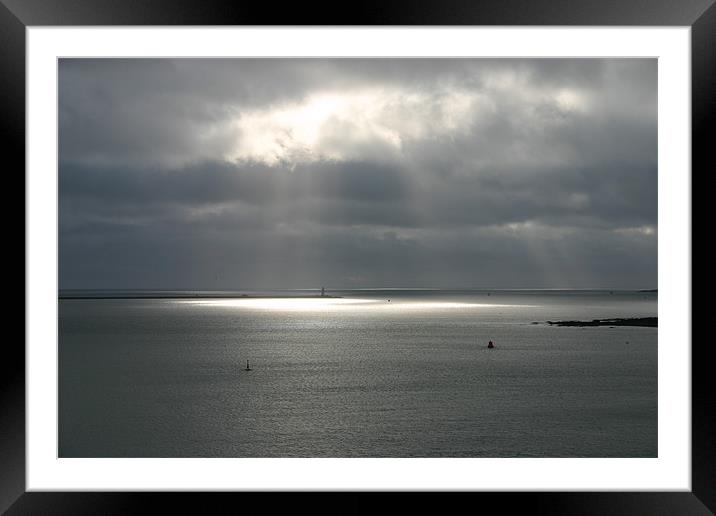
<point>357,257</point>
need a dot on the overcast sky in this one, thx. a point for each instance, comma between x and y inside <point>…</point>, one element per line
<point>297,173</point>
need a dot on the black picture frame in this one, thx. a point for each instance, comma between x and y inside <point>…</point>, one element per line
<point>16,15</point>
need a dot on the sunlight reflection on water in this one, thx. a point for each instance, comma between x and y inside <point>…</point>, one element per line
<point>357,376</point>
<point>336,304</point>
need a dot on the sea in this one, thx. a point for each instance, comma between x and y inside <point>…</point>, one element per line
<point>356,373</point>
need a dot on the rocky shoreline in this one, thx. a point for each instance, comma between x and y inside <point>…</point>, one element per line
<point>634,321</point>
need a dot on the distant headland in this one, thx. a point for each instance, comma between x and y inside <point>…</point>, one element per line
<point>187,295</point>
<point>197,296</point>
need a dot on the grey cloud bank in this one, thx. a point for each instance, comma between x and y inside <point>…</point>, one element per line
<point>292,173</point>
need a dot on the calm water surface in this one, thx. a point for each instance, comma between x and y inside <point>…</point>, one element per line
<point>359,376</point>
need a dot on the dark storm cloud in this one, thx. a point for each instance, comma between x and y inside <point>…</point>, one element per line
<point>357,172</point>
<point>217,182</point>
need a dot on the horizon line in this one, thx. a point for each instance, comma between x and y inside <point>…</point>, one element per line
<point>354,288</point>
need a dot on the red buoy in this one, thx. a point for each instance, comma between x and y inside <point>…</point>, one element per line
<point>490,345</point>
